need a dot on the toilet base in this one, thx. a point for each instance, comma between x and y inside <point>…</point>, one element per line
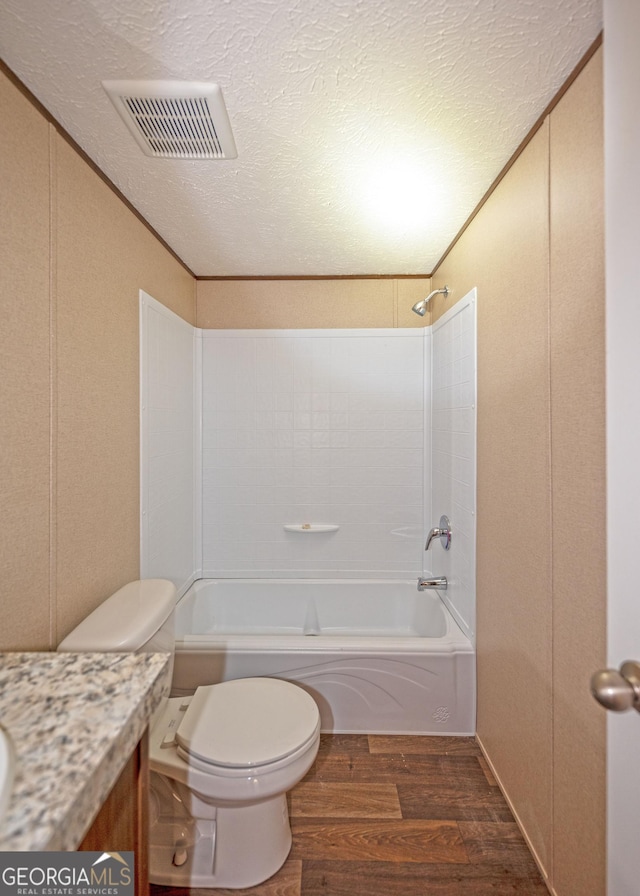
<point>241,847</point>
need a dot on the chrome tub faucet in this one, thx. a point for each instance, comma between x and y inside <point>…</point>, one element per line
<point>443,532</point>
<point>437,582</point>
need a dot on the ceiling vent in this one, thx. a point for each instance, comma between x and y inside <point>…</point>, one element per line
<point>175,119</point>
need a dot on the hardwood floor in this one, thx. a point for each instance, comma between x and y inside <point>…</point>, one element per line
<point>399,816</point>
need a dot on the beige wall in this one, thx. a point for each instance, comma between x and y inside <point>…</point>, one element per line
<point>535,252</point>
<point>73,258</point>
<point>281,304</point>
<point>24,374</point>
<point>578,482</point>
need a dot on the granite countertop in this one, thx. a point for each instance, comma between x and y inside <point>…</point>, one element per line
<point>74,719</point>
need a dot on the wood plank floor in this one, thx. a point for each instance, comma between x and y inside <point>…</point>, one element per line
<point>399,816</point>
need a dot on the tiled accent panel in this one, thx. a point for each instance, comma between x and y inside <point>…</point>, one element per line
<point>454,456</point>
<point>319,427</point>
<point>167,450</point>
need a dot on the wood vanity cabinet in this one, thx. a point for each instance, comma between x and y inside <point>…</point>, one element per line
<point>122,824</point>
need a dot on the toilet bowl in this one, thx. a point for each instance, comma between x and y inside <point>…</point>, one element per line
<point>221,761</point>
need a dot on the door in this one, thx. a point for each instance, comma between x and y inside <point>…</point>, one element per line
<point>622,167</point>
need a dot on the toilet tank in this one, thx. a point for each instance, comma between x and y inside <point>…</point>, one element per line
<point>137,618</point>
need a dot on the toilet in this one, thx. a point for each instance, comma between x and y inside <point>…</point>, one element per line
<point>221,761</point>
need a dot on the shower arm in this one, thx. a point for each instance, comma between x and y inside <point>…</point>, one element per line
<point>436,292</point>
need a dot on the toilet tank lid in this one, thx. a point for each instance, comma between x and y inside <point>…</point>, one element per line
<point>126,620</point>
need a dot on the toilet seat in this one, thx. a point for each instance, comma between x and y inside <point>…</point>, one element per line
<point>246,724</point>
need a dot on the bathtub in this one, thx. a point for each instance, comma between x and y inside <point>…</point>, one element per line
<point>379,657</point>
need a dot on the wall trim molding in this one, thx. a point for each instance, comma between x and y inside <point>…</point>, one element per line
<point>595,46</point>
<point>541,866</point>
<point>577,71</point>
<point>321,277</point>
<point>35,102</point>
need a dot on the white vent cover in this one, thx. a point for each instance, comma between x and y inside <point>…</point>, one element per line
<point>175,119</point>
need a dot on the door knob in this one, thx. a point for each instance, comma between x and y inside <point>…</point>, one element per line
<point>618,690</point>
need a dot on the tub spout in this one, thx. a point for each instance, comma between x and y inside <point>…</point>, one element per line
<point>439,582</point>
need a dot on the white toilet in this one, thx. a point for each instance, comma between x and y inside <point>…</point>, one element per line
<point>221,761</point>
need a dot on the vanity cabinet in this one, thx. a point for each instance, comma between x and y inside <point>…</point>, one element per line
<point>122,824</point>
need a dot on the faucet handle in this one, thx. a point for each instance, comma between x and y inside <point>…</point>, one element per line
<point>443,532</point>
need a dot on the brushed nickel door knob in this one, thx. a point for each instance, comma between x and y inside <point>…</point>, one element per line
<point>618,690</point>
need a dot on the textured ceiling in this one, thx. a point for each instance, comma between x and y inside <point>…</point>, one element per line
<point>366,131</point>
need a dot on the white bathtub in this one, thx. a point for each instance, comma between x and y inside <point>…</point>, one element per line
<point>378,656</point>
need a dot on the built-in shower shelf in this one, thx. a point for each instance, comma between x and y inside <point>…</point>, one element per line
<point>310,529</point>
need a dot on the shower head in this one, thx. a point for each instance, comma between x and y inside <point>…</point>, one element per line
<point>421,306</point>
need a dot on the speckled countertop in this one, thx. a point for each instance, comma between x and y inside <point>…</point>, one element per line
<point>74,719</point>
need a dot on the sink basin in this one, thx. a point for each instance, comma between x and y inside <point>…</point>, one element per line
<point>7,766</point>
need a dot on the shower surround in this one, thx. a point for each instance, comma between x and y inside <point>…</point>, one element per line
<point>313,429</point>
<point>302,456</point>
